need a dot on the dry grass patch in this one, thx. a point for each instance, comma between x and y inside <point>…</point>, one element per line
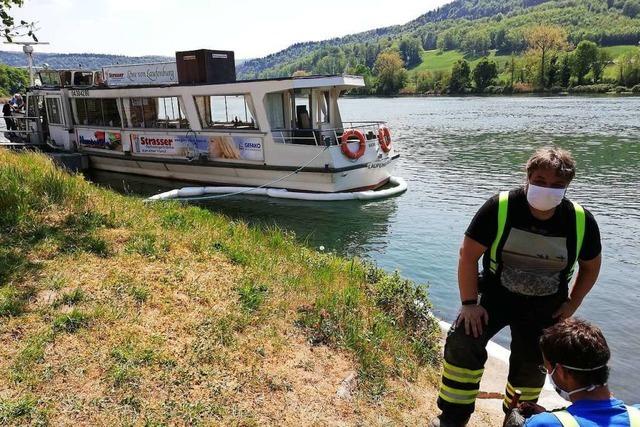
<point>115,312</point>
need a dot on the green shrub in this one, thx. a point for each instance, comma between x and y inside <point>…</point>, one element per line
<point>599,88</point>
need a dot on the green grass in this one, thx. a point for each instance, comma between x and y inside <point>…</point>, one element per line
<point>437,60</point>
<point>181,315</point>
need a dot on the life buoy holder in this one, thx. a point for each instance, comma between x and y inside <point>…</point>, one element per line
<point>384,138</point>
<point>345,139</point>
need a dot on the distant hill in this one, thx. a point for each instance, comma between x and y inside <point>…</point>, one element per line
<point>467,25</point>
<point>77,60</point>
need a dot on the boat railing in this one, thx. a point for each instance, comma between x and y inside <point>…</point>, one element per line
<point>22,131</point>
<point>324,136</point>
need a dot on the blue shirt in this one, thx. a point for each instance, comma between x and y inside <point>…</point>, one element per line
<point>588,413</point>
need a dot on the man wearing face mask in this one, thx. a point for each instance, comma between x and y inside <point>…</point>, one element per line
<point>531,239</point>
<point>575,356</point>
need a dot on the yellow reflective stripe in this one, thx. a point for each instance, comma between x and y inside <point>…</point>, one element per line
<point>462,375</point>
<point>465,393</point>
<point>634,416</point>
<point>566,419</point>
<point>503,204</point>
<point>449,366</point>
<point>456,401</point>
<point>452,395</point>
<point>526,391</point>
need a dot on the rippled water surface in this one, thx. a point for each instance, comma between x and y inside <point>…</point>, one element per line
<point>456,152</point>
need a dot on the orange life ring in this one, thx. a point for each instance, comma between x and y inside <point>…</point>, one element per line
<point>384,138</point>
<point>345,148</point>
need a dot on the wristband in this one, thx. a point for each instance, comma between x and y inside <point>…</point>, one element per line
<point>470,302</point>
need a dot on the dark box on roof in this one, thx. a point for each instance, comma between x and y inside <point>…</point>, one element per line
<point>206,66</point>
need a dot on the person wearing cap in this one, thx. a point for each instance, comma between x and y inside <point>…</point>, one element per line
<point>531,239</point>
<point>575,357</point>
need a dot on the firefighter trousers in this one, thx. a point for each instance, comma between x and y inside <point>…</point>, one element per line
<point>465,356</point>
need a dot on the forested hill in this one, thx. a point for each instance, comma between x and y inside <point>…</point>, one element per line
<point>77,60</point>
<point>472,26</point>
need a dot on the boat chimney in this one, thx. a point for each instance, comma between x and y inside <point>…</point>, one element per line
<point>206,66</point>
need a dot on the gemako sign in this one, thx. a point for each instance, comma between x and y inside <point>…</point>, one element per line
<point>141,74</point>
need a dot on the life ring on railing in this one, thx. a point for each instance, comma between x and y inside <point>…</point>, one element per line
<point>345,139</point>
<point>384,138</point>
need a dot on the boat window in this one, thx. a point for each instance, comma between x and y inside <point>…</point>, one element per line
<point>226,112</point>
<point>65,78</point>
<point>96,112</point>
<point>82,78</point>
<point>53,108</point>
<point>302,109</point>
<point>163,113</point>
<point>50,78</point>
<point>274,103</point>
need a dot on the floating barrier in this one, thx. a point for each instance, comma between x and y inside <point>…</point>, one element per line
<point>207,193</point>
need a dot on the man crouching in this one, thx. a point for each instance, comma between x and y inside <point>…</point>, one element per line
<point>576,355</point>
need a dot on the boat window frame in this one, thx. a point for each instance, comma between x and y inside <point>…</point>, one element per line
<point>182,114</point>
<point>58,99</point>
<point>75,118</point>
<point>248,112</point>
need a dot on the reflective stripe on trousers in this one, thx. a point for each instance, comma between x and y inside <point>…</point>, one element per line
<point>460,385</point>
<point>568,420</point>
<point>529,394</point>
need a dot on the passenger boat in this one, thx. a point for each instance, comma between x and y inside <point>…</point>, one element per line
<point>192,121</point>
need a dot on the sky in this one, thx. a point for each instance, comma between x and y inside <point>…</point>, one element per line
<point>252,28</point>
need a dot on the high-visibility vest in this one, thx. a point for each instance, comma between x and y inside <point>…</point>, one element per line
<point>568,420</point>
<point>503,207</point>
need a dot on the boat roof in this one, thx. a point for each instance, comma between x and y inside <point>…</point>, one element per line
<point>302,82</point>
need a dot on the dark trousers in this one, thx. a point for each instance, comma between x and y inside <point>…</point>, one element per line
<point>10,123</point>
<point>465,356</point>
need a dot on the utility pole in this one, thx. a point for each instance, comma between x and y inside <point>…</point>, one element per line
<point>27,48</point>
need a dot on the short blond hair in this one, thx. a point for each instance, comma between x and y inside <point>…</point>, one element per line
<point>554,159</point>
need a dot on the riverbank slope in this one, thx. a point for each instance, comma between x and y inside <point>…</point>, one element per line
<point>113,311</point>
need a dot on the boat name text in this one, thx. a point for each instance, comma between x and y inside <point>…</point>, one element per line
<point>78,93</point>
<point>156,141</point>
<point>378,164</point>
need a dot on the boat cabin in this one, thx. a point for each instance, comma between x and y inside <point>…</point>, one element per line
<point>273,123</point>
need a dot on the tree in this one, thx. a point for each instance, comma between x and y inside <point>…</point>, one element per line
<point>389,68</point>
<point>597,68</point>
<point>410,50</point>
<point>333,63</point>
<point>565,71</point>
<point>459,76</point>
<point>484,74</point>
<point>631,8</point>
<point>448,39</point>
<point>8,27</point>
<point>552,70</point>
<point>476,42</point>
<point>542,39</point>
<point>12,80</point>
<point>583,57</point>
<point>429,40</point>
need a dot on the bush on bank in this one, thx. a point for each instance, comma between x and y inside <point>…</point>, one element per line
<point>127,300</point>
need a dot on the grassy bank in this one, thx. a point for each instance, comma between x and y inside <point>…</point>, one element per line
<point>115,312</point>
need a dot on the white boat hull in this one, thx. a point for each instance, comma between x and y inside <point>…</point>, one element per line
<point>365,176</point>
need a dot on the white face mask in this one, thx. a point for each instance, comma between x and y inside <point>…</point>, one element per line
<point>543,198</point>
<point>566,395</point>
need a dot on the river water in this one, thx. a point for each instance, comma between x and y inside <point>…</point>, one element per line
<point>457,152</point>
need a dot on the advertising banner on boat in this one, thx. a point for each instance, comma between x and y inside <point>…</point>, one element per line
<point>216,147</point>
<point>103,139</point>
<point>142,74</point>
